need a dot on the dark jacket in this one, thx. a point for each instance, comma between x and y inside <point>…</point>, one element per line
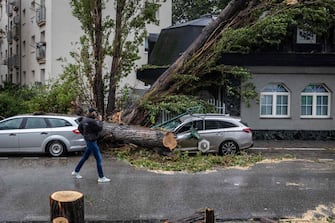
<point>90,128</point>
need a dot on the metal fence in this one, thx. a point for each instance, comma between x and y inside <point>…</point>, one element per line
<point>219,106</point>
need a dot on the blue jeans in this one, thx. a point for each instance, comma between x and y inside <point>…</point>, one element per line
<point>91,147</point>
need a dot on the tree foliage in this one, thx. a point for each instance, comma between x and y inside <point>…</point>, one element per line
<point>131,19</point>
<point>95,44</point>
<point>186,10</point>
<point>269,25</point>
<point>258,26</point>
<point>128,25</point>
<point>11,100</point>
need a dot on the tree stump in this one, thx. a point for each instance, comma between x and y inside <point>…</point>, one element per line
<point>67,207</point>
<point>60,220</point>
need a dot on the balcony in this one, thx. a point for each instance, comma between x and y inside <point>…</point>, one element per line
<point>14,4</point>
<point>10,11</point>
<point>10,37</point>
<point>16,19</point>
<point>41,16</point>
<point>16,32</point>
<point>40,52</point>
<point>13,62</point>
<point>5,62</point>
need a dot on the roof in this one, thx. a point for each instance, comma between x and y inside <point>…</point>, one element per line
<point>174,40</point>
<point>202,21</point>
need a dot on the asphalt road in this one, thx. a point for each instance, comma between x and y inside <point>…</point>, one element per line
<point>270,189</point>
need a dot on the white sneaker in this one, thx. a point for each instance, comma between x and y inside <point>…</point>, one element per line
<point>76,175</point>
<point>103,180</point>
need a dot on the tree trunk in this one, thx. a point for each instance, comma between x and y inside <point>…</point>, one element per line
<point>98,56</point>
<point>141,136</point>
<point>67,206</point>
<point>136,115</point>
<point>115,69</point>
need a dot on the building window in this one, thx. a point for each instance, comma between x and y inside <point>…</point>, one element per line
<point>146,44</point>
<point>274,101</point>
<point>32,41</point>
<point>42,79</point>
<point>315,101</point>
<point>42,37</point>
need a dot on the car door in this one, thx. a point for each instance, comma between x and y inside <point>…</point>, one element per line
<point>187,135</point>
<point>34,132</point>
<point>218,131</point>
<point>9,135</point>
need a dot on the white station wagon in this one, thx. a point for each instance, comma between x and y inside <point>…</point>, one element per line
<point>55,135</point>
<point>210,133</point>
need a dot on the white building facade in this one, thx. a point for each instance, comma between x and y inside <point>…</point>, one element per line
<point>35,34</point>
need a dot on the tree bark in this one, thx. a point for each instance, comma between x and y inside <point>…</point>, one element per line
<point>136,114</point>
<point>67,206</point>
<point>141,136</point>
<point>115,69</point>
<point>98,56</point>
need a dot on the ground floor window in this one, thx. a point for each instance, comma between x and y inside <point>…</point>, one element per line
<point>315,101</point>
<point>275,101</point>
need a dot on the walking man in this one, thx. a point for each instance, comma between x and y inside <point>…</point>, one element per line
<point>89,127</point>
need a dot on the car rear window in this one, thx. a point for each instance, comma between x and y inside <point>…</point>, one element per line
<point>35,123</point>
<point>57,122</point>
<point>218,124</point>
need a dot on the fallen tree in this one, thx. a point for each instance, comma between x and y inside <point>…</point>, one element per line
<point>242,27</point>
<point>141,136</point>
<point>165,84</point>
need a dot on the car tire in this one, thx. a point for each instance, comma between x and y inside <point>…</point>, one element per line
<point>56,148</point>
<point>228,148</point>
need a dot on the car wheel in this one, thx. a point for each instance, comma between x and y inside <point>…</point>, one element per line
<point>228,148</point>
<point>56,148</point>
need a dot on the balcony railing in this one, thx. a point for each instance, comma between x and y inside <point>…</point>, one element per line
<point>10,37</point>
<point>14,4</point>
<point>5,62</point>
<point>41,15</point>
<point>40,52</point>
<point>16,32</point>
<point>13,61</point>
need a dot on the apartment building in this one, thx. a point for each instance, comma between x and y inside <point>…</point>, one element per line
<point>35,34</point>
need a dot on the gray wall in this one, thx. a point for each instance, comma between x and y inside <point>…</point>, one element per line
<point>295,79</point>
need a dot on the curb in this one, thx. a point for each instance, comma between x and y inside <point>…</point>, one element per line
<point>288,149</point>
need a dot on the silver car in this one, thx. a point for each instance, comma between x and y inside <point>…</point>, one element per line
<point>52,134</point>
<point>212,133</point>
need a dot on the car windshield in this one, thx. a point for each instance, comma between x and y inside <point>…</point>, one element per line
<point>169,125</point>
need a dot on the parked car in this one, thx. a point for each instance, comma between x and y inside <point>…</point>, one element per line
<point>211,133</point>
<point>51,134</point>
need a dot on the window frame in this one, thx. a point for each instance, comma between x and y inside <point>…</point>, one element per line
<point>274,105</point>
<point>315,96</point>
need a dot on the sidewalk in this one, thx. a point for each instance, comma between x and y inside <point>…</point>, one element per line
<point>294,144</point>
<point>300,149</point>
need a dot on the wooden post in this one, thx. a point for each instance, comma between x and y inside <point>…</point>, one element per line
<point>67,207</point>
<point>209,216</point>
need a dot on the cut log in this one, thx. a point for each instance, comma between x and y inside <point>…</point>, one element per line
<point>67,206</point>
<point>60,220</point>
<point>141,136</point>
